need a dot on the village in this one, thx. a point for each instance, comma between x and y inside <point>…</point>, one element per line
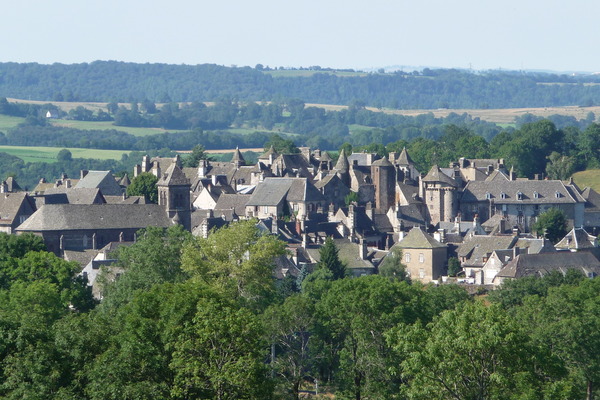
<point>475,211</point>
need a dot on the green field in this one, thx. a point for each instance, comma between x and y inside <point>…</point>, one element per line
<point>589,178</point>
<point>7,122</point>
<point>104,125</point>
<point>48,154</point>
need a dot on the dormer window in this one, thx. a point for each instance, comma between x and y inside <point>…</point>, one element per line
<point>503,195</point>
<point>519,195</point>
<point>536,195</point>
<point>488,195</point>
<point>557,195</point>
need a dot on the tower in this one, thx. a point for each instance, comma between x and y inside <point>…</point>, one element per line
<point>174,196</point>
<point>383,174</point>
<point>440,193</point>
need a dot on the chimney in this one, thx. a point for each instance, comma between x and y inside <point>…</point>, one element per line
<point>304,240</point>
<point>516,252</point>
<point>295,256</point>
<point>515,231</point>
<point>274,227</point>
<point>83,173</point>
<point>331,212</point>
<point>214,179</point>
<point>440,235</point>
<point>362,249</point>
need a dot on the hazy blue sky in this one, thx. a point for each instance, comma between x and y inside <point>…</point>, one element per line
<point>513,34</point>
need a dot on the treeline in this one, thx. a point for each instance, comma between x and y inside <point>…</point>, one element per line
<point>203,318</point>
<point>125,82</point>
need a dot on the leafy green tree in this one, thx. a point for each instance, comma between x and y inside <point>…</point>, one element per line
<point>472,352</point>
<point>155,258</point>
<point>350,198</point>
<point>350,347</point>
<point>198,153</point>
<point>453,266</point>
<point>567,321</point>
<point>220,354</point>
<point>238,259</point>
<point>392,266</point>
<point>330,260</point>
<point>281,145</point>
<point>552,224</point>
<point>64,155</point>
<point>559,166</point>
<point>144,185</point>
<point>288,328</point>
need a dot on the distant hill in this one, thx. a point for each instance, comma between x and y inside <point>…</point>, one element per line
<point>105,81</point>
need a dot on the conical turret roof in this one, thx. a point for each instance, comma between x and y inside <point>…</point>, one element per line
<point>342,164</point>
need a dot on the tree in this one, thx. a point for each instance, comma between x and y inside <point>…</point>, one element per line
<point>559,167</point>
<point>237,259</point>
<point>330,260</point>
<point>552,224</point>
<point>281,145</point>
<point>220,354</point>
<point>64,155</point>
<point>567,320</point>
<point>198,153</point>
<point>392,266</point>
<point>288,328</point>
<point>472,352</point>
<point>144,185</point>
<point>453,266</point>
<point>155,258</point>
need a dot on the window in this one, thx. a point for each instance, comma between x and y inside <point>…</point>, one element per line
<point>503,195</point>
<point>519,196</point>
<point>421,273</point>
<point>421,258</point>
<point>536,195</point>
<point>266,209</point>
<point>557,195</point>
<point>407,257</point>
<point>488,195</point>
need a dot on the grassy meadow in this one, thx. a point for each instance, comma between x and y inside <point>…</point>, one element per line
<point>589,178</point>
<point>48,154</point>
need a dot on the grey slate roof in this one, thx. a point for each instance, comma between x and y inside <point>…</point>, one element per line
<point>419,239</point>
<point>404,158</point>
<point>102,180</point>
<point>62,217</point>
<point>477,247</point>
<point>436,175</point>
<point>237,202</point>
<point>173,176</point>
<point>592,199</point>
<point>577,239</point>
<point>533,192</point>
<point>10,203</point>
<point>542,264</point>
<point>272,191</point>
<point>383,162</point>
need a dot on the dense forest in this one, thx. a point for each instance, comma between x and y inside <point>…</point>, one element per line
<point>203,318</point>
<point>124,82</point>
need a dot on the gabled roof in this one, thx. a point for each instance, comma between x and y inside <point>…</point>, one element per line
<point>102,180</point>
<point>577,239</point>
<point>419,239</point>
<point>174,176</point>
<point>64,217</point>
<point>542,264</point>
<point>10,204</point>
<point>477,247</point>
<point>269,152</point>
<point>236,202</point>
<point>436,175</point>
<point>272,191</point>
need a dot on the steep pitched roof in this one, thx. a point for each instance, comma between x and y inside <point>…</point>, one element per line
<point>543,263</point>
<point>102,180</point>
<point>477,247</point>
<point>577,239</point>
<point>419,239</point>
<point>236,202</point>
<point>63,217</point>
<point>237,156</point>
<point>10,203</point>
<point>272,191</point>
<point>436,175</point>
<point>404,158</point>
<point>342,164</point>
<point>173,176</point>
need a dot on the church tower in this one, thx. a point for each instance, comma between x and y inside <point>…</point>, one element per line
<point>174,196</point>
<point>441,196</point>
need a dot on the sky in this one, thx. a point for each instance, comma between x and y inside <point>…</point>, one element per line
<point>552,35</point>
